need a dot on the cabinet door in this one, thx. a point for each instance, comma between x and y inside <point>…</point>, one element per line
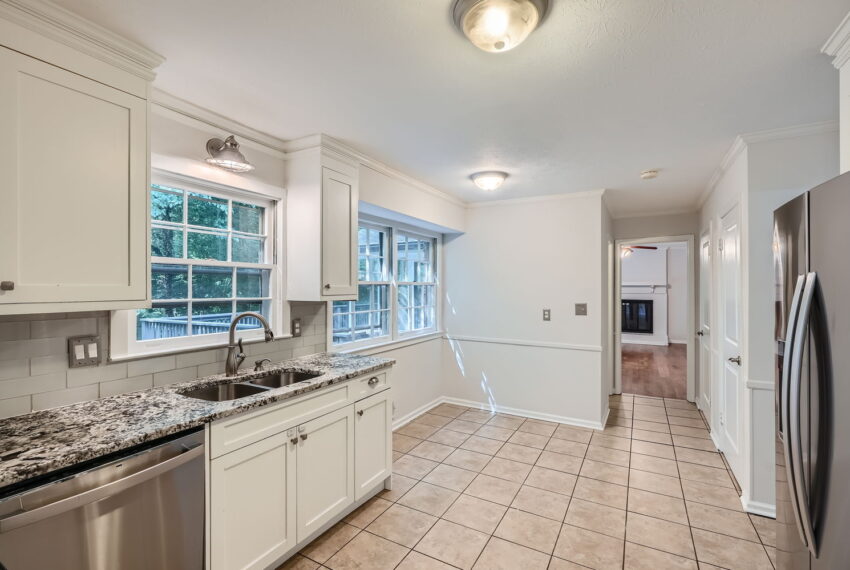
<point>339,234</point>
<point>73,187</point>
<point>325,469</point>
<point>372,442</point>
<point>252,504</point>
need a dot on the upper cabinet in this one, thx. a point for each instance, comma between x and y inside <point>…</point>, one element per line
<point>321,225</point>
<point>74,172</point>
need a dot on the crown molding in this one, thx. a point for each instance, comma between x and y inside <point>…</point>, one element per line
<point>838,44</point>
<point>61,25</point>
<point>535,199</point>
<point>656,214</point>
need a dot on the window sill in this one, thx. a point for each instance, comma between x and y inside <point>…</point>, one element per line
<point>388,345</point>
<point>184,350</point>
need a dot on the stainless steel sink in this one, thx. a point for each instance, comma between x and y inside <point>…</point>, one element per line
<point>282,378</point>
<point>224,392</point>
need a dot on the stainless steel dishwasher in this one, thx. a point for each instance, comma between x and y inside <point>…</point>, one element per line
<point>142,511</point>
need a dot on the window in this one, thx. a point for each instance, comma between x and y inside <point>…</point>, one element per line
<point>397,293</point>
<point>212,252</point>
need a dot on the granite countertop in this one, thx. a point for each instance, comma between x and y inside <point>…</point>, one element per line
<point>39,443</point>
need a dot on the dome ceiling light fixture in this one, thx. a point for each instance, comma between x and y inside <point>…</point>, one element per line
<point>498,25</point>
<point>225,154</point>
<point>489,180</point>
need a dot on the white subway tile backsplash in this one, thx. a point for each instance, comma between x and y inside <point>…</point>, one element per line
<point>174,376</point>
<point>125,385</point>
<point>14,349</point>
<point>14,331</point>
<point>15,406</point>
<point>95,374</point>
<point>210,369</point>
<point>32,385</point>
<point>14,368</point>
<point>151,365</point>
<point>58,398</point>
<point>63,328</point>
<point>47,364</point>
<point>196,358</point>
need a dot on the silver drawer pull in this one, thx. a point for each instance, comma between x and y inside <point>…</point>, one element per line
<point>7,285</point>
<point>373,380</point>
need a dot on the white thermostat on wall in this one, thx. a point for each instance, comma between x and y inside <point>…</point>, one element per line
<point>83,351</point>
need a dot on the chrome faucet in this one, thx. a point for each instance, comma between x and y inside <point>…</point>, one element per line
<point>234,358</point>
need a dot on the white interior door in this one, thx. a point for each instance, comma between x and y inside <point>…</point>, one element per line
<point>704,324</point>
<point>731,379</point>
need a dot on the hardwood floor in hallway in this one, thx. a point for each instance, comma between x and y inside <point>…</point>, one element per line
<point>659,371</point>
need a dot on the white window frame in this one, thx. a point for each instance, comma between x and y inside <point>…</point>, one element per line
<point>393,228</point>
<point>123,343</point>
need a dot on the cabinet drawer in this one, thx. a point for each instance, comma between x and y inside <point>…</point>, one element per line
<point>368,385</point>
<point>234,433</point>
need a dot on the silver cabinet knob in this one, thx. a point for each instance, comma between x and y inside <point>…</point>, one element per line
<point>700,332</point>
<point>294,440</point>
<point>303,437</point>
<point>327,285</point>
<point>736,360</point>
<point>373,380</point>
<point>359,412</point>
<point>7,285</point>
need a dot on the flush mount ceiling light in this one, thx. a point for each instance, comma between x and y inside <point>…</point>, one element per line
<point>498,25</point>
<point>225,154</point>
<point>648,174</point>
<point>489,180</point>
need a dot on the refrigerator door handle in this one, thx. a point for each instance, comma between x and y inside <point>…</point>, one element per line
<point>794,428</point>
<point>784,392</point>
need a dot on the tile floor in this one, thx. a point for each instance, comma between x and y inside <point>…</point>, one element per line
<point>476,490</point>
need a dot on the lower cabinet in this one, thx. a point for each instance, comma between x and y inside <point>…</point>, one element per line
<point>373,450</point>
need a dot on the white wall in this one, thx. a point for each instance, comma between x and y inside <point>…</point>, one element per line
<point>677,294</point>
<point>515,259</point>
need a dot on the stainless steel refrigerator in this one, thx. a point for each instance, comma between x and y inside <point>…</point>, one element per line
<point>812,266</point>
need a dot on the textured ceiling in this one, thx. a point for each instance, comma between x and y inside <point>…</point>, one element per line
<point>603,90</point>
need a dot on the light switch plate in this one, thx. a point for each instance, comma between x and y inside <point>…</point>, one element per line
<point>581,309</point>
<point>547,314</point>
<point>296,327</point>
<point>84,351</point>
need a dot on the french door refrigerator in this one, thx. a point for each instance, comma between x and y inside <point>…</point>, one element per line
<point>812,267</point>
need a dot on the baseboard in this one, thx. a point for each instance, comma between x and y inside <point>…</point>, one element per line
<point>407,418</point>
<point>713,436</point>
<point>758,507</point>
<point>647,342</point>
<point>678,341</point>
<point>527,413</point>
<point>702,404</point>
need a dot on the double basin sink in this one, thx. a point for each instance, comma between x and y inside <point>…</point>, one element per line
<point>235,390</point>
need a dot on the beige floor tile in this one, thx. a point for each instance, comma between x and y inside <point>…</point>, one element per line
<point>728,552</point>
<point>482,445</point>
<point>655,465</point>
<point>475,513</point>
<point>463,426</point>
<point>659,506</point>
<point>689,422</point>
<point>649,401</point>
<point>651,426</point>
<point>402,525</point>
<point>690,432</point>
<point>655,483</point>
<point>477,416</point>
<point>529,439</point>
<point>507,469</point>
<point>453,544</point>
<point>330,542</point>
<point>559,564</point>
<point>560,462</point>
<point>680,413</point>
<point>404,443</point>
<point>493,489</point>
<point>609,441</point>
<point>653,436</point>
<point>551,480</point>
<point>401,485</point>
<point>709,459</point>
<point>449,437</point>
<point>506,421</point>
<point>541,502</point>
<point>711,495</point>
<point>415,429</point>
<point>529,530</point>
<point>433,420</point>
<point>397,455</point>
<point>660,534</point>
<point>502,555</point>
<point>605,472</point>
<point>417,561</point>
<point>493,432</point>
<point>597,517</point>
<point>649,414</point>
<point>413,467</point>
<point>694,443</point>
<point>448,410</point>
<point>367,551</point>
<point>298,562</point>
<point>566,446</point>
<point>521,453</point>
<point>453,478</point>
<point>703,474</point>
<point>431,450</point>
<point>723,521</point>
<point>601,492</point>
<point>653,449</point>
<point>589,548</point>
<point>607,455</point>
<point>766,529</point>
<point>469,460</point>
<point>617,431</point>
<point>619,421</point>
<point>429,498</point>
<point>581,435</point>
<point>771,553</point>
<point>538,427</point>
<point>367,512</point>
<point>642,558</point>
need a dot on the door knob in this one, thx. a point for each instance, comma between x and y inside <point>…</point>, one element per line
<point>700,333</point>
<point>736,360</point>
<point>359,412</point>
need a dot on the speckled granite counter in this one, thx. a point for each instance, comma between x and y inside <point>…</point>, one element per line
<point>42,442</point>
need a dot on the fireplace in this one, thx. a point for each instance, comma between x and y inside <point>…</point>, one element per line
<point>637,316</point>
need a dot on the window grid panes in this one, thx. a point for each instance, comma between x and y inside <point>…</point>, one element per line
<point>208,262</point>
<point>397,294</point>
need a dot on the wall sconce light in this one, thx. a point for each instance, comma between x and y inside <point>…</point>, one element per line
<point>225,154</point>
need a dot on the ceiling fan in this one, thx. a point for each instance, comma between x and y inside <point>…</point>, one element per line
<point>630,249</point>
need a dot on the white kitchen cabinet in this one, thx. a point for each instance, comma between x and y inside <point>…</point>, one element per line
<point>321,228</point>
<point>325,479</point>
<point>252,504</point>
<point>372,449</point>
<point>74,171</point>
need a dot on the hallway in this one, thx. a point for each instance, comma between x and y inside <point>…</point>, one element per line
<point>657,371</point>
